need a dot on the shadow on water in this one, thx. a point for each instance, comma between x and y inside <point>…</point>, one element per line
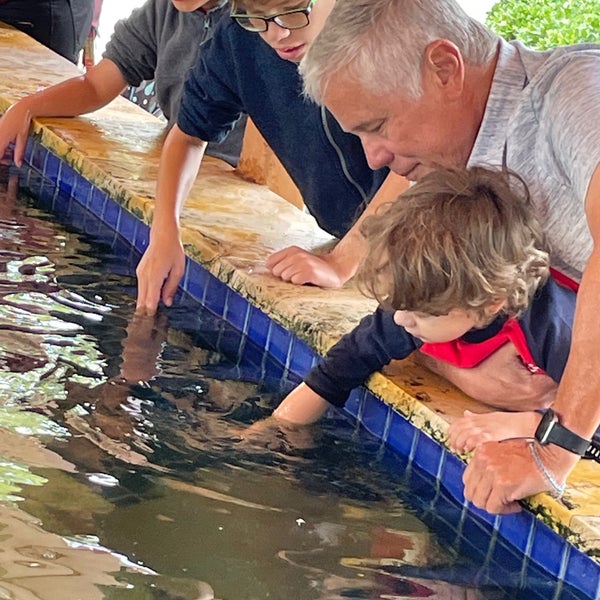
<point>127,474</point>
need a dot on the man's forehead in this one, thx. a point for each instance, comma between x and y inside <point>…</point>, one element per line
<point>350,103</point>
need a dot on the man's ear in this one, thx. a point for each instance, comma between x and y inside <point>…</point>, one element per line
<point>444,65</point>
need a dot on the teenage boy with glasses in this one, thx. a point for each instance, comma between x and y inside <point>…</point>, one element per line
<point>255,72</point>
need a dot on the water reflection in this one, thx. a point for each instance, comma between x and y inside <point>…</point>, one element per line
<point>124,441</point>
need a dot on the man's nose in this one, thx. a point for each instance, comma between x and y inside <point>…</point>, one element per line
<point>376,153</point>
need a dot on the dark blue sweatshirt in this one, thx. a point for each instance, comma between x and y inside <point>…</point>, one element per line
<point>542,335</point>
<point>237,72</point>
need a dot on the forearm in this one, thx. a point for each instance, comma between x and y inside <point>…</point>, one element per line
<point>371,345</point>
<point>577,399</point>
<point>163,263</point>
<point>302,406</point>
<point>352,247</point>
<point>179,165</point>
<point>78,95</point>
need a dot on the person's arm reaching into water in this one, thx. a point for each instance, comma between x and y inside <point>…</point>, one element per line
<point>371,345</point>
<point>70,98</point>
<point>302,406</point>
<point>163,263</point>
<point>333,269</point>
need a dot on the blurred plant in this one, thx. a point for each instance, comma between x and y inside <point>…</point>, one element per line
<point>544,24</point>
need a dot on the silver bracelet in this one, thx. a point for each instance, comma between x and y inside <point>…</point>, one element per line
<point>558,490</point>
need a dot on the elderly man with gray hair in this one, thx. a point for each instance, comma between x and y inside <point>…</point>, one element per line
<point>424,85</point>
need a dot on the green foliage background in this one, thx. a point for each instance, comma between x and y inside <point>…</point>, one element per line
<point>546,23</point>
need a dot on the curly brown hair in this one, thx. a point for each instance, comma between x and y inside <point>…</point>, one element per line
<point>459,238</point>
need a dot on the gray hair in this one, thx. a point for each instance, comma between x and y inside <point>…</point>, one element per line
<point>380,43</point>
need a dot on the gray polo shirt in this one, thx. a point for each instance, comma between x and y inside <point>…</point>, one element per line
<point>159,42</point>
<point>542,120</point>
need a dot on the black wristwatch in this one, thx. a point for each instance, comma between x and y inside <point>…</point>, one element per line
<point>550,431</point>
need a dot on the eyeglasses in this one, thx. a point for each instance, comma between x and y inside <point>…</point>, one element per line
<point>290,19</point>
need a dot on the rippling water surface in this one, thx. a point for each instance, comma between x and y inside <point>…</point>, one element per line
<point>126,470</point>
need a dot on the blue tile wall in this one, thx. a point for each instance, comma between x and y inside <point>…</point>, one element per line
<point>258,326</point>
<point>302,357</point>
<point>237,310</point>
<point>374,415</point>
<point>354,402</point>
<point>500,539</point>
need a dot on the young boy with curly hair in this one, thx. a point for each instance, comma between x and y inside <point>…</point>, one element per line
<point>459,267</point>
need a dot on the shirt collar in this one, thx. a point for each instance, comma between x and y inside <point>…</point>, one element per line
<point>507,85</point>
<point>476,336</point>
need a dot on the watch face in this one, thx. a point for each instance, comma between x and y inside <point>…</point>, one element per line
<point>549,420</point>
<point>550,431</point>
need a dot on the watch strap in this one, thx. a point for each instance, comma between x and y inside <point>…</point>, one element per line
<point>567,439</point>
<point>550,431</point>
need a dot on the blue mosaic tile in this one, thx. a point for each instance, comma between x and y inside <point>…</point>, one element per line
<point>52,167</point>
<point>229,343</point>
<point>352,406</point>
<point>97,200</point>
<point>141,234</point>
<point>445,509</point>
<point>279,342</point>
<point>258,326</point>
<point>428,454</point>
<point>237,310</point>
<point>91,225</point>
<point>48,192</point>
<point>29,150</point>
<point>547,549</point>
<point>214,296</point>
<point>570,594</point>
<point>402,435</point>
<point>582,573</point>
<point>482,514</point>
<point>374,415</point>
<point>272,369</point>
<point>82,191</point>
<point>478,535</point>
<point>517,529</point>
<point>505,556</point>
<point>62,203</point>
<point>67,179</point>
<point>301,358</point>
<point>451,475</point>
<point>111,214</point>
<point>37,157</point>
<point>195,280</point>
<point>538,588</point>
<point>127,226</point>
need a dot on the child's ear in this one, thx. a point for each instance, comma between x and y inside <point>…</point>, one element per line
<point>495,307</point>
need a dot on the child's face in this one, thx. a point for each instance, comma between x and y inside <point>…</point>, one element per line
<point>442,328</point>
<point>290,44</point>
<point>192,5</point>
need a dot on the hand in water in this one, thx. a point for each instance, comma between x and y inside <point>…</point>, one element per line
<point>142,347</point>
<point>159,272</point>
